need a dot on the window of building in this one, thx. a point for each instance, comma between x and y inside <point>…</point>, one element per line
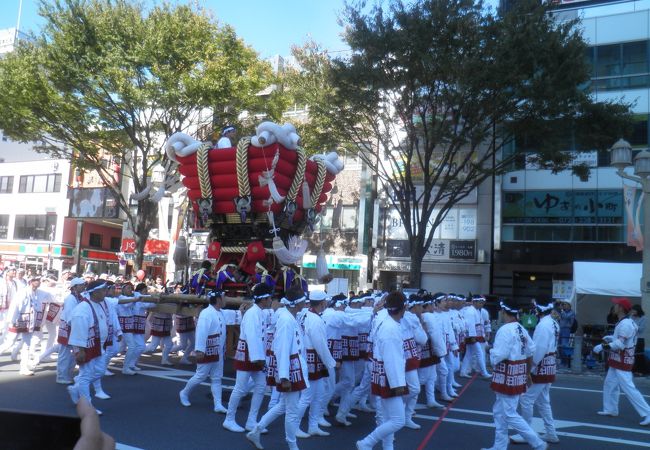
<point>95,240</point>
<point>6,185</point>
<point>620,66</point>
<point>40,183</point>
<point>326,217</point>
<point>116,243</point>
<point>639,136</point>
<point>35,227</point>
<point>4,226</point>
<point>349,218</point>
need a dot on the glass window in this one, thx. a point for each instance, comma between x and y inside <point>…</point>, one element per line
<point>639,136</point>
<point>635,57</point>
<point>95,240</point>
<point>4,225</point>
<point>349,218</point>
<point>6,185</point>
<point>326,217</point>
<point>610,234</point>
<point>608,60</point>
<point>40,183</point>
<point>35,227</point>
<point>116,243</point>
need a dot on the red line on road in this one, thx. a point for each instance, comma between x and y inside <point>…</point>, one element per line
<point>435,426</point>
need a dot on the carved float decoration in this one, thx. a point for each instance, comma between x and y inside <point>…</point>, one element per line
<point>257,198</point>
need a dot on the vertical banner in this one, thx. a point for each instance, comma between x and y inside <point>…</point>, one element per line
<point>633,206</point>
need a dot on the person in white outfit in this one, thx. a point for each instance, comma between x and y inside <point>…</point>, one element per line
<point>414,338</point>
<point>621,361</point>
<point>8,290</point>
<point>25,316</point>
<point>227,137</point>
<point>511,358</point>
<point>319,362</point>
<point>51,312</point>
<point>547,333</point>
<point>475,335</point>
<point>89,337</point>
<point>388,375</point>
<point>113,341</point>
<point>65,362</point>
<point>250,359</point>
<point>209,342</point>
<point>432,352</point>
<point>139,309</point>
<point>161,334</point>
<point>286,369</point>
<point>446,382</point>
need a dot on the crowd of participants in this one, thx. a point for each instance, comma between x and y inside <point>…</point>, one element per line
<point>367,351</point>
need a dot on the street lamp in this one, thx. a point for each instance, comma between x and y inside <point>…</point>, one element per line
<point>621,157</point>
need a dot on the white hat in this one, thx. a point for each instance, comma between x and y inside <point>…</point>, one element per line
<point>77,282</point>
<point>317,296</point>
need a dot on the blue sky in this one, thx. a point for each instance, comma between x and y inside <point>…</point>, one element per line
<point>270,27</point>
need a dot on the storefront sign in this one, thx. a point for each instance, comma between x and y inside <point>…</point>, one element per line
<point>460,223</point>
<point>152,246</point>
<point>440,249</point>
<point>562,289</point>
<point>336,262</point>
<point>395,266</point>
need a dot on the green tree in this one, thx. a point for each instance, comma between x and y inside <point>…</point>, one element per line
<point>116,77</point>
<point>434,93</point>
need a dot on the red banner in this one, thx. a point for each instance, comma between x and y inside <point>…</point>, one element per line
<point>151,247</point>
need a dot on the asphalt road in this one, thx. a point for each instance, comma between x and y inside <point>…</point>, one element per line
<point>145,413</point>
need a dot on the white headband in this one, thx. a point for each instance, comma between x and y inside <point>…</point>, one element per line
<point>260,297</point>
<point>544,308</point>
<point>96,288</point>
<point>287,302</point>
<point>506,308</point>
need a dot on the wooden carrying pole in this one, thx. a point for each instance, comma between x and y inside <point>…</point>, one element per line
<point>186,304</point>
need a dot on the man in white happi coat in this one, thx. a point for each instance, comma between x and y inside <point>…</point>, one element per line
<point>545,338</point>
<point>433,352</point>
<point>319,362</point>
<point>388,375</point>
<point>89,337</point>
<point>113,341</point>
<point>621,346</point>
<point>414,338</point>
<point>8,290</point>
<point>140,309</point>
<point>474,336</point>
<point>52,313</point>
<point>335,319</point>
<point>286,369</point>
<point>25,316</point>
<point>210,335</point>
<point>250,360</point>
<point>445,381</point>
<point>511,358</point>
<point>65,362</point>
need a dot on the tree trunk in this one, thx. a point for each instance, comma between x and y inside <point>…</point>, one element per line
<point>147,214</point>
<point>417,254</point>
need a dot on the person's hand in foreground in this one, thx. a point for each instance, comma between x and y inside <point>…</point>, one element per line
<point>92,437</point>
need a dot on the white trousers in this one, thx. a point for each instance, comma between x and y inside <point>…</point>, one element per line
<point>329,385</point>
<point>617,380</point>
<point>311,398</point>
<point>203,371</point>
<point>538,394</point>
<point>505,415</point>
<point>65,363</point>
<point>186,343</point>
<point>134,349</point>
<point>473,351</point>
<point>390,419</point>
<point>410,400</point>
<point>359,392</point>
<point>428,376</point>
<point>48,349</point>
<point>166,346</point>
<point>450,361</point>
<point>288,405</point>
<point>106,359</point>
<point>441,376</point>
<point>22,343</point>
<point>346,383</point>
<point>242,386</point>
<point>88,373</point>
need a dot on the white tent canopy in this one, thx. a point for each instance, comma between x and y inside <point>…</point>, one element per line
<point>595,283</point>
<point>605,278</point>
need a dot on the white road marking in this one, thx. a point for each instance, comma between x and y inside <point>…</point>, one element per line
<point>119,446</point>
<point>596,391</point>
<point>559,433</point>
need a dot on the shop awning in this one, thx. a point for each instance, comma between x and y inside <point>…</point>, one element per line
<point>607,278</point>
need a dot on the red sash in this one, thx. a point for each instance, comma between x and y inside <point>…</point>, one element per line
<point>509,377</point>
<point>52,311</point>
<point>22,324</point>
<point>243,360</point>
<point>295,374</point>
<point>336,349</point>
<point>411,354</point>
<point>211,349</point>
<point>185,324</point>
<point>427,357</point>
<point>545,370</point>
<point>93,344</point>
<point>379,382</point>
<point>622,359</point>
<point>161,326</point>
<point>126,323</point>
<point>139,323</point>
<point>363,345</point>
<point>350,348</point>
<point>315,367</point>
